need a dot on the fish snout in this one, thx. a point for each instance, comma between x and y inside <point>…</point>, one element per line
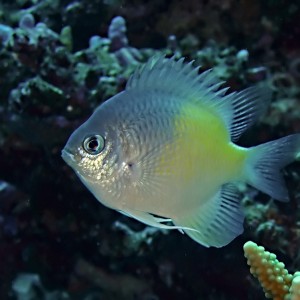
<point>68,157</point>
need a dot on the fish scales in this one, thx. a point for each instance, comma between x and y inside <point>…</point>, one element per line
<point>163,151</point>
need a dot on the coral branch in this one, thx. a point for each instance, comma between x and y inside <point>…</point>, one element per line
<point>274,278</point>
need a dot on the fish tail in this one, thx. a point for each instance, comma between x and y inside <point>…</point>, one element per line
<point>264,162</point>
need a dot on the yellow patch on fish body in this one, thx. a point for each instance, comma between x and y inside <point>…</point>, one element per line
<point>201,157</point>
<point>164,147</point>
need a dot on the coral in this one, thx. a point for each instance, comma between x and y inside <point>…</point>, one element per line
<point>295,287</point>
<point>274,278</point>
<point>125,54</point>
<point>117,33</point>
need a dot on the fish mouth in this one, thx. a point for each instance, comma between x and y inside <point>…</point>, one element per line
<point>68,157</point>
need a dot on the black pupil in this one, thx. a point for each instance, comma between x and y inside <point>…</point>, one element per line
<point>93,144</point>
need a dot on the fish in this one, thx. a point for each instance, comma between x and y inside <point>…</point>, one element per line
<point>163,151</point>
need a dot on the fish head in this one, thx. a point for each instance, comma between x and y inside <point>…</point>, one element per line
<point>92,149</point>
<point>89,154</point>
<point>101,153</point>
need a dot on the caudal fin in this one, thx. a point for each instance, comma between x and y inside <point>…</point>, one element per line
<point>265,161</point>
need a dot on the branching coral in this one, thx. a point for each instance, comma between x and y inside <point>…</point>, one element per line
<point>274,278</point>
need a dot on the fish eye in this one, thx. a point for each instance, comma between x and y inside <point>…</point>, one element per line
<point>93,144</point>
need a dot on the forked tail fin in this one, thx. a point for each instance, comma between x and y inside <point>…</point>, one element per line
<point>265,161</point>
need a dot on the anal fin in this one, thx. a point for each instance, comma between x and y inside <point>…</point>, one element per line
<point>216,222</point>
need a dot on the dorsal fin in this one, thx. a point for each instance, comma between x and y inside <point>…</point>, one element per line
<point>238,110</point>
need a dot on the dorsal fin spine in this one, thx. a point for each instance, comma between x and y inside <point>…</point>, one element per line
<point>238,110</point>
